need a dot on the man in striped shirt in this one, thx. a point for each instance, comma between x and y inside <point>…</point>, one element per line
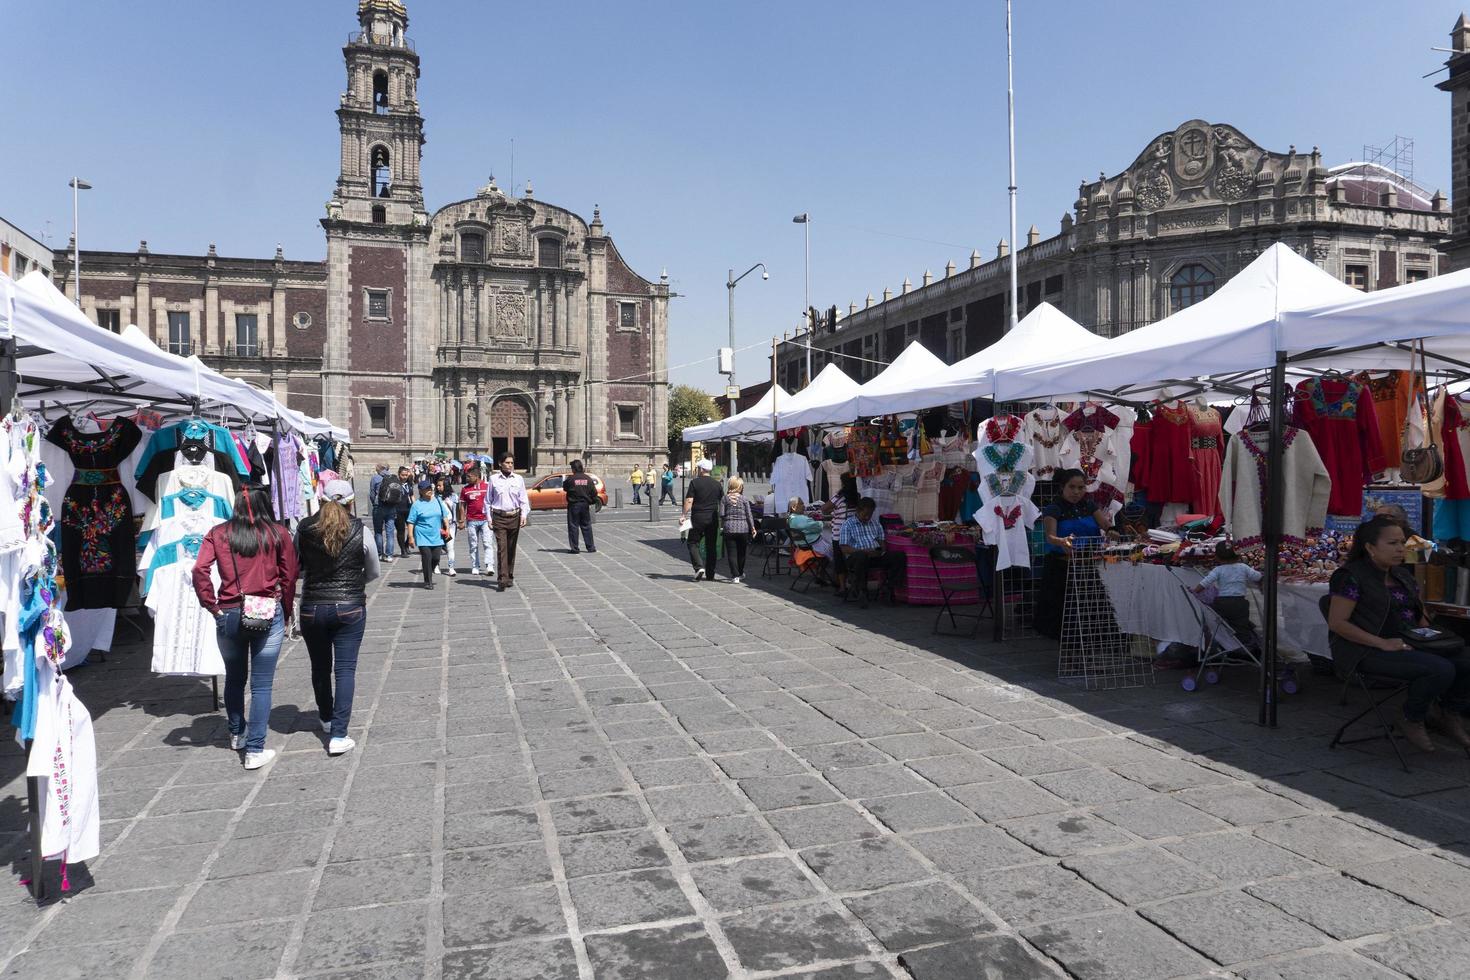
<point>862,543</point>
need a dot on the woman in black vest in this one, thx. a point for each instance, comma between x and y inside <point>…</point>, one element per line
<point>337,561</point>
<point>1374,609</point>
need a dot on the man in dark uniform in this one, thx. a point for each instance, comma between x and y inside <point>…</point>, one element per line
<point>581,490</point>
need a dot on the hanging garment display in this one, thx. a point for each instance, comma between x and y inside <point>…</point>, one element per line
<point>1451,418</point>
<point>213,439</point>
<point>185,640</point>
<point>188,487</point>
<point>1002,457</point>
<point>1338,414</point>
<point>791,476</point>
<point>1045,433</point>
<point>1170,477</point>
<point>287,499</point>
<point>1001,428</point>
<point>1306,487</point>
<point>1205,439</point>
<point>1139,449</point>
<point>862,451</point>
<point>1005,522</point>
<point>1391,393</point>
<point>97,534</point>
<point>1121,445</point>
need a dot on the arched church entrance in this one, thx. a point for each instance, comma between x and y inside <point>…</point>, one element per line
<point>510,430</point>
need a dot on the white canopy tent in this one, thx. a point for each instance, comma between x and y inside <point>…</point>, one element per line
<point>891,391</point>
<point>1042,333</point>
<point>754,421</point>
<point>1237,329</point>
<point>63,358</point>
<point>831,385</point>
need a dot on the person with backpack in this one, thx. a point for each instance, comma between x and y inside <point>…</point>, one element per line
<point>428,527</point>
<point>385,491</point>
<point>337,562</point>
<point>257,567</point>
<point>400,511</point>
<point>737,520</point>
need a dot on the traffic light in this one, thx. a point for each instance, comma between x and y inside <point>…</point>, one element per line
<point>832,319</point>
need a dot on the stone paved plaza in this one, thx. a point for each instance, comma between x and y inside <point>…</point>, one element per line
<point>611,771</point>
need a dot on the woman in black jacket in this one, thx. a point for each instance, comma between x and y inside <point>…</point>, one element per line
<point>1374,606</point>
<point>338,559</point>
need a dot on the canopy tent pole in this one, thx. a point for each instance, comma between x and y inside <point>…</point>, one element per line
<point>1275,494</point>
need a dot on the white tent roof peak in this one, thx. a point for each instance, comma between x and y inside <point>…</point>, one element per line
<point>803,408</point>
<point>755,420</point>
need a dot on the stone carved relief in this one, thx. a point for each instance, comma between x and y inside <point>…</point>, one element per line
<point>1194,153</point>
<point>512,235</point>
<point>1154,188</point>
<point>510,315</point>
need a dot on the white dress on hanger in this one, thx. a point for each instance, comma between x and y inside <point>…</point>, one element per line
<point>64,755</point>
<point>1005,521</point>
<point>791,476</point>
<point>184,638</point>
<point>1045,434</point>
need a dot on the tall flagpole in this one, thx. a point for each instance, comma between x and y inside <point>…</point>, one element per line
<point>1011,121</point>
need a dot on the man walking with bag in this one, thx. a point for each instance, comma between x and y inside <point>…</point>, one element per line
<point>510,509</point>
<point>581,491</point>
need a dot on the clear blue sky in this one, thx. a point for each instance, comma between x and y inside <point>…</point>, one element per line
<point>699,127</point>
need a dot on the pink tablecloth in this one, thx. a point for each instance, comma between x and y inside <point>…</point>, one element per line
<point>922,588</point>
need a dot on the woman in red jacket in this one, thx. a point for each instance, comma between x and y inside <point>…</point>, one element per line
<point>257,567</point>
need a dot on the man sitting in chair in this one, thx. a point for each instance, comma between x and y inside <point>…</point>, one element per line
<point>862,542</point>
<point>806,535</point>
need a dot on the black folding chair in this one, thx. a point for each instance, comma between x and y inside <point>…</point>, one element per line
<point>1388,688</point>
<point>946,557</point>
<point>773,540</point>
<point>814,571</point>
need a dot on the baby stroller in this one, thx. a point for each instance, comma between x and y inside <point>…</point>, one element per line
<point>1223,643</point>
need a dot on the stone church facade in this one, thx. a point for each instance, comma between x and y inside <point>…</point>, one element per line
<point>1195,207</point>
<point>494,323</point>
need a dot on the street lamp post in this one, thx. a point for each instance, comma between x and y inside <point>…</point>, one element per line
<point>77,185</point>
<point>730,285</point>
<point>805,220</point>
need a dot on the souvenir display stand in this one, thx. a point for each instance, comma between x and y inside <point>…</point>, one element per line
<point>75,480</point>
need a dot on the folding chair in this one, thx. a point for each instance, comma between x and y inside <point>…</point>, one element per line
<point>773,540</point>
<point>809,566</point>
<point>942,557</point>
<point>1393,688</point>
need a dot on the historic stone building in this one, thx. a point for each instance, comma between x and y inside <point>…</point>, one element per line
<point>1196,206</point>
<point>497,322</point>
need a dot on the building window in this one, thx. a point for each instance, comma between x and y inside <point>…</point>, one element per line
<point>380,215</point>
<point>1189,285</point>
<point>380,92</point>
<point>377,416</point>
<point>549,253</point>
<point>382,173</point>
<point>955,346</point>
<point>178,334</point>
<point>956,315</point>
<point>471,247</point>
<point>627,316</point>
<point>377,304</point>
<point>1416,275</point>
<point>1356,276</point>
<point>110,320</point>
<point>630,418</point>
<point>247,335</point>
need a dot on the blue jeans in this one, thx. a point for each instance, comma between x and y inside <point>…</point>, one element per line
<point>383,519</point>
<point>333,634</point>
<point>252,656</point>
<point>482,545</point>
<point>637,491</point>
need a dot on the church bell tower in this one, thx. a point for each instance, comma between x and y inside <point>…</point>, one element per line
<point>375,372</point>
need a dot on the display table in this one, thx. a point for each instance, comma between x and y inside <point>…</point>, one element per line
<point>1147,600</point>
<point>922,586</point>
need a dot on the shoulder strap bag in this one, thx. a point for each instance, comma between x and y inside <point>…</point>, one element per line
<point>257,612</point>
<point>1425,464</point>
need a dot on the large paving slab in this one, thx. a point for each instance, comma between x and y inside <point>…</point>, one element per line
<point>614,771</point>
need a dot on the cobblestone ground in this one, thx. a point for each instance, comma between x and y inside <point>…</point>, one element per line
<point>612,771</point>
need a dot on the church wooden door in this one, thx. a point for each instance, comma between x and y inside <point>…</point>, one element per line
<point>510,430</point>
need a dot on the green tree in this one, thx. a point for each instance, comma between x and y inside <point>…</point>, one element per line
<point>688,406</point>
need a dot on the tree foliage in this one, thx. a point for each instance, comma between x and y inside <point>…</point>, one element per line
<point>688,406</point>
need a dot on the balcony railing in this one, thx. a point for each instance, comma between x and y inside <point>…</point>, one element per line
<point>183,348</point>
<point>242,350</point>
<point>380,40</point>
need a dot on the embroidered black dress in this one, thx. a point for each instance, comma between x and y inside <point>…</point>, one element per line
<point>98,540</point>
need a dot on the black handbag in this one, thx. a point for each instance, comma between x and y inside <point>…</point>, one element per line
<point>1426,464</point>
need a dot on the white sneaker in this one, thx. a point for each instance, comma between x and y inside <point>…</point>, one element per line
<point>736,580</point>
<point>237,742</point>
<point>255,760</point>
<point>475,570</point>
<point>451,573</point>
<point>338,746</point>
<point>699,575</point>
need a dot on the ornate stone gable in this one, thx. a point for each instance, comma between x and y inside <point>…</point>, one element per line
<point>1199,163</point>
<point>512,224</point>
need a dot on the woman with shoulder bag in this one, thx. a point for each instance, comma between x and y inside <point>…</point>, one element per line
<point>1376,623</point>
<point>257,571</point>
<point>428,528</point>
<point>737,521</point>
<point>338,559</point>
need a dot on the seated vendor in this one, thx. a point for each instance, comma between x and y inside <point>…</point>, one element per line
<point>1374,609</point>
<point>806,532</point>
<point>1074,519</point>
<point>862,543</point>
